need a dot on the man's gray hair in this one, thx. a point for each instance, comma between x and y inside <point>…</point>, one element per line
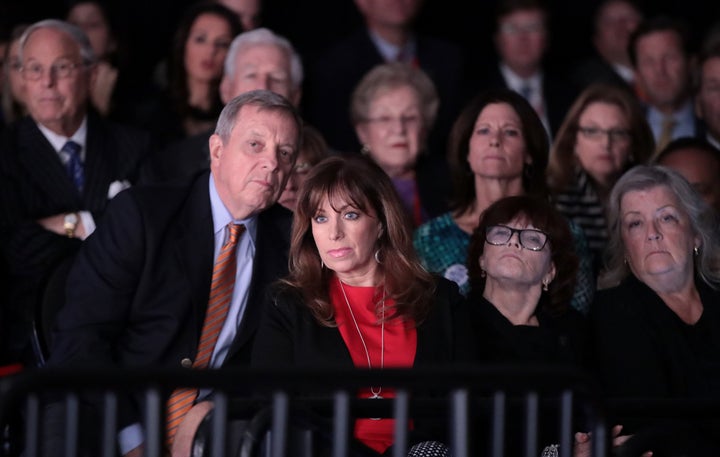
<point>75,33</point>
<point>264,100</point>
<point>264,36</point>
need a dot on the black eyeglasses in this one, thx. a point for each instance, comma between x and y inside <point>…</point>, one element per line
<point>531,239</point>
<point>596,134</point>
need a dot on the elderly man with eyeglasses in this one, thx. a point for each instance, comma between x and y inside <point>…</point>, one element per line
<point>59,166</point>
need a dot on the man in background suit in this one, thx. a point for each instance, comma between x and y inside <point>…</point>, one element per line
<point>388,36</point>
<point>59,166</point>
<point>138,292</point>
<point>660,52</point>
<point>258,59</point>
<point>613,22</point>
<point>521,40</point>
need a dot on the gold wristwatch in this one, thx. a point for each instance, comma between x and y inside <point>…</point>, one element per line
<point>70,223</point>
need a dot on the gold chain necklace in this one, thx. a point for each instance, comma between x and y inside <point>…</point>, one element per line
<point>375,394</point>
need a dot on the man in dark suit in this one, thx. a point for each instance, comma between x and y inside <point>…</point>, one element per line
<point>58,168</point>
<point>521,38</point>
<point>138,292</point>
<point>387,37</point>
<point>613,22</point>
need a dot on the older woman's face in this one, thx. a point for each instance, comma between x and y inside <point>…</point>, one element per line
<point>497,145</point>
<point>657,235</point>
<point>345,238</point>
<point>603,141</point>
<point>394,129</point>
<point>206,47</point>
<point>514,265</point>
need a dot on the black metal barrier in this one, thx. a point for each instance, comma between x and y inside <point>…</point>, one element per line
<point>500,410</point>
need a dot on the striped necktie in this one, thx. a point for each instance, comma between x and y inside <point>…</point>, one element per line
<point>73,164</point>
<point>221,291</point>
<point>666,133</point>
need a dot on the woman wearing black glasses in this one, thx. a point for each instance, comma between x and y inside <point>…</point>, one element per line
<point>603,135</point>
<point>522,268</point>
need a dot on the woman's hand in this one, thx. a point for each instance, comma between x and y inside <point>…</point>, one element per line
<point>583,442</point>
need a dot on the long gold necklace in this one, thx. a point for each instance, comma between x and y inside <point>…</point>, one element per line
<point>375,394</point>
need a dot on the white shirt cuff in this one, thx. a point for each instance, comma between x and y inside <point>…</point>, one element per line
<point>88,222</point>
<point>130,437</point>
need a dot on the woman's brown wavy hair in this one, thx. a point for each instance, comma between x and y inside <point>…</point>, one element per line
<point>362,184</point>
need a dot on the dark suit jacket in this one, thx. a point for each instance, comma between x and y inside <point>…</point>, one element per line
<point>290,336</point>
<point>138,292</point>
<point>180,160</point>
<point>333,77</point>
<point>34,185</point>
<point>558,92</point>
<point>597,70</point>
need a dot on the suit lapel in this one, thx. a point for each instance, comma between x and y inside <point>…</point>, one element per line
<point>97,165</point>
<point>194,247</point>
<point>270,264</point>
<point>43,165</point>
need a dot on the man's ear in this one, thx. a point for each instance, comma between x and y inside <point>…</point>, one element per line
<point>216,148</point>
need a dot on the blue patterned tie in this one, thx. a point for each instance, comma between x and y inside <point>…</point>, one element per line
<point>73,165</point>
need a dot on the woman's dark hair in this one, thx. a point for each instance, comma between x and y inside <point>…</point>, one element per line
<point>534,134</point>
<point>177,74</point>
<point>543,216</point>
<point>364,185</point>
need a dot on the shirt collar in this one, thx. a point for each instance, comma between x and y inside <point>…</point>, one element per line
<point>389,51</point>
<point>58,141</point>
<point>515,82</point>
<point>222,217</point>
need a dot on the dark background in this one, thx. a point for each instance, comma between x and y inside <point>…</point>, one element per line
<point>146,26</point>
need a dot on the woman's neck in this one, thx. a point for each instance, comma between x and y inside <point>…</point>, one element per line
<point>516,303</point>
<point>404,172</point>
<point>199,94</point>
<point>487,192</point>
<point>682,299</point>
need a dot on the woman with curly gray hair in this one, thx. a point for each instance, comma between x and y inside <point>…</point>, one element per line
<point>657,329</point>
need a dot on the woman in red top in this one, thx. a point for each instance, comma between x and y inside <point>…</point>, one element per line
<point>356,294</point>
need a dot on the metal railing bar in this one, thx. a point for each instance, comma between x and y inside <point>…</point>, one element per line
<point>459,422</point>
<point>219,423</point>
<point>498,424</point>
<point>280,421</point>
<point>401,405</point>
<point>531,424</point>
<point>109,424</point>
<point>72,414</point>
<point>341,423</point>
<point>154,413</point>
<point>566,423</point>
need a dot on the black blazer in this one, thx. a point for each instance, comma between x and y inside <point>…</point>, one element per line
<point>332,78</point>
<point>138,292</point>
<point>34,185</point>
<point>558,92</point>
<point>290,336</point>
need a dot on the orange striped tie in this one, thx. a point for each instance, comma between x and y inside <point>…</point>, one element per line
<point>221,290</point>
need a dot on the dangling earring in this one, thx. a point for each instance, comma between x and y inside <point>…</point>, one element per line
<point>322,264</point>
<point>377,256</point>
<point>528,170</point>
<point>696,251</point>
<point>545,285</point>
<point>482,273</point>
<point>365,150</point>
